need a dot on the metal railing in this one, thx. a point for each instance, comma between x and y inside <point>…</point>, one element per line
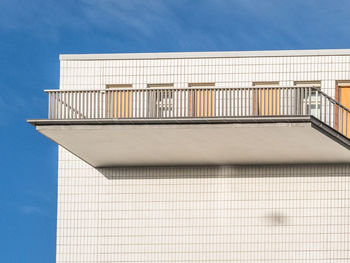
<point>161,103</point>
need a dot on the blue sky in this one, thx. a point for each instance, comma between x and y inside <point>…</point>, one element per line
<point>34,32</point>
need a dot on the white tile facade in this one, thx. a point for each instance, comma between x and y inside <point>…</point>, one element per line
<point>295,213</point>
<point>224,72</point>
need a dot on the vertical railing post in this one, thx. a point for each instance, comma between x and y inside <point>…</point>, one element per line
<point>316,104</point>
<point>320,105</point>
<point>49,106</point>
<point>346,124</point>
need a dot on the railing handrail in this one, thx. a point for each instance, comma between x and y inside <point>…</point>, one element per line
<point>333,100</point>
<point>182,88</point>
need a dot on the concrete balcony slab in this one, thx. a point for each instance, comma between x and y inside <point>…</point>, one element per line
<point>220,141</point>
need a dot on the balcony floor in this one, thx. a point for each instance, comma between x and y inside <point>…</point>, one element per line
<point>219,141</point>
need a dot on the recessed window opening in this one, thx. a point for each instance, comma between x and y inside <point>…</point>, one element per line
<point>119,102</point>
<point>266,84</point>
<point>118,86</point>
<point>161,99</point>
<point>202,99</point>
<point>314,107</point>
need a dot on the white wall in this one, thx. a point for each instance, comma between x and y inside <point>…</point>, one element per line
<point>225,72</point>
<point>231,214</point>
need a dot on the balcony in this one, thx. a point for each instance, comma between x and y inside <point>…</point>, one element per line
<point>196,126</point>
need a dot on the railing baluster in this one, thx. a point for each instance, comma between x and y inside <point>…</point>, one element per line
<point>125,104</point>
<point>81,106</point>
<point>338,112</point>
<point>249,102</point>
<point>230,102</point>
<point>137,101</point>
<point>245,102</point>
<point>268,101</point>
<point>76,105</point>
<point>84,103</point>
<point>256,92</point>
<point>164,103</point>
<point>310,101</point>
<point>226,104</point>
<point>49,106</point>
<point>66,104</point>
<point>89,96</point>
<point>159,103</point>
<point>143,104</point>
<point>324,106</point>
<point>57,99</point>
<point>99,104</point>
<point>107,103</point>
<point>54,112</point>
<point>240,105</point>
<point>346,124</point>
<point>118,102</point>
<point>94,94</point>
<point>284,98</point>
<point>81,103</point>
<point>179,94</point>
<point>276,92</point>
<point>290,101</point>
<point>263,93</point>
<point>317,105</point>
<point>342,120</point>
<point>306,101</point>
<point>168,104</point>
<point>59,105</point>
<point>63,94</point>
<point>94,101</point>
<point>70,108</point>
<point>209,106</point>
<point>58,112</point>
<point>320,105</point>
<point>59,108</point>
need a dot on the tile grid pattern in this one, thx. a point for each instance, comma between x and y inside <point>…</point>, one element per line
<point>203,214</point>
<point>224,72</point>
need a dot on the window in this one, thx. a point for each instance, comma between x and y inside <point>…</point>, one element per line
<point>343,93</point>
<point>266,84</point>
<point>314,106</point>
<point>266,98</point>
<point>118,101</point>
<point>342,117</point>
<point>202,100</point>
<point>161,100</point>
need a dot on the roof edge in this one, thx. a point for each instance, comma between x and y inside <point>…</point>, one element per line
<point>217,54</point>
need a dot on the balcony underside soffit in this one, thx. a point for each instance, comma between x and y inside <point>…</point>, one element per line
<point>107,143</point>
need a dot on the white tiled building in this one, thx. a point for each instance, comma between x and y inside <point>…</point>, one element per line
<point>203,157</point>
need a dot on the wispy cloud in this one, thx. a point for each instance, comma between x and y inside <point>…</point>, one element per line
<point>136,15</point>
<point>32,210</point>
<point>185,24</point>
<point>43,18</point>
<point>41,196</point>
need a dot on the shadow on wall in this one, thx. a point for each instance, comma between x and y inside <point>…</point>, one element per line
<point>276,218</point>
<point>258,171</point>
